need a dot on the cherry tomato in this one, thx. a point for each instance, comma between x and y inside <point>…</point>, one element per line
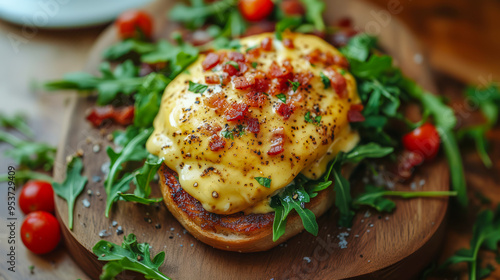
<point>423,140</point>
<point>255,10</point>
<point>36,195</point>
<point>40,232</point>
<point>134,24</point>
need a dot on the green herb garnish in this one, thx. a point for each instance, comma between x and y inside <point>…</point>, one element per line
<point>263,181</point>
<point>281,97</point>
<point>72,186</point>
<point>131,255</point>
<point>197,88</point>
<point>326,81</point>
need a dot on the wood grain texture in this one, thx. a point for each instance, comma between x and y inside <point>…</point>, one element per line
<point>394,246</point>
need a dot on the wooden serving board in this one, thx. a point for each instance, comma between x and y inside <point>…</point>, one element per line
<point>379,246</point>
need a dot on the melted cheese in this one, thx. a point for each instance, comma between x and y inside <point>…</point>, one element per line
<point>224,181</point>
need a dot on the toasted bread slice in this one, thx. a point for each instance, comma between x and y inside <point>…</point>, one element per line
<point>235,232</point>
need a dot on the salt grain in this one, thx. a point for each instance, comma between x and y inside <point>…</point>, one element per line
<point>307,259</point>
<point>86,203</point>
<point>104,233</point>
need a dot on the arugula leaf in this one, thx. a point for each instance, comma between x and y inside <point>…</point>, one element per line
<point>359,47</point>
<point>133,151</point>
<point>263,181</point>
<point>178,57</point>
<point>142,180</point>
<point>197,88</point>
<point>488,100</point>
<point>72,186</point>
<point>122,80</point>
<point>30,154</point>
<point>314,13</point>
<point>326,81</point>
<point>286,23</point>
<point>343,197</point>
<point>370,150</point>
<point>18,122</point>
<point>131,255</point>
<point>281,97</point>
<point>375,197</point>
<point>127,46</point>
<point>148,99</point>
<point>235,25</point>
<point>199,13</point>
<point>293,197</point>
<point>486,234</point>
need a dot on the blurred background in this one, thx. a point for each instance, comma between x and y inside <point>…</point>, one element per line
<point>43,41</point>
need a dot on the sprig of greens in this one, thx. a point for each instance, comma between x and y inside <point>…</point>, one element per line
<point>381,86</point>
<point>375,197</point>
<point>131,255</point>
<point>142,182</point>
<point>301,190</point>
<point>111,83</point>
<point>486,234</point>
<point>488,101</point>
<point>27,153</point>
<point>132,151</point>
<point>22,175</point>
<point>17,121</point>
<point>72,186</point>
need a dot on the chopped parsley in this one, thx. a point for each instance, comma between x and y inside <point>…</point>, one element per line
<point>263,181</point>
<point>281,97</point>
<point>197,88</point>
<point>234,64</point>
<point>295,85</point>
<point>227,134</point>
<point>316,120</point>
<point>325,80</point>
<point>342,71</point>
<point>254,65</point>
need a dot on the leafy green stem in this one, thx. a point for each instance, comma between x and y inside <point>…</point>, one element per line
<point>27,175</point>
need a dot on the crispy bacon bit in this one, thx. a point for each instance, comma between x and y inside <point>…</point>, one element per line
<point>293,8</point>
<point>230,70</point>
<point>212,79</point>
<point>277,142</point>
<point>253,53</point>
<point>210,61</point>
<point>123,116</point>
<point>243,82</point>
<point>255,99</point>
<point>327,59</point>
<point>253,125</point>
<point>303,78</point>
<point>216,143</point>
<point>285,111</point>
<point>407,161</point>
<point>243,67</point>
<point>314,57</point>
<point>288,43</point>
<point>236,111</point>
<point>236,56</point>
<point>277,72</point>
<point>339,84</point>
<point>207,129</point>
<point>355,115</point>
<point>216,101</point>
<point>267,44</point>
<point>225,79</point>
<point>261,82</point>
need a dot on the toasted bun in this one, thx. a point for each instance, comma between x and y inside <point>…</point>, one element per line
<point>235,232</point>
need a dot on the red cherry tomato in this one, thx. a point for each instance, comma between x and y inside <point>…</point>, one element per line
<point>40,232</point>
<point>134,24</point>
<point>423,140</point>
<point>255,10</point>
<point>35,196</point>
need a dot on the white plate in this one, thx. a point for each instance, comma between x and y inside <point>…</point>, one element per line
<point>64,13</point>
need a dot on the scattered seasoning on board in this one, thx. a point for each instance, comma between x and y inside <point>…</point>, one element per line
<point>148,220</point>
<point>114,223</point>
<point>119,230</point>
<point>158,226</point>
<point>96,179</point>
<point>307,259</point>
<point>86,203</point>
<point>96,148</point>
<point>104,233</point>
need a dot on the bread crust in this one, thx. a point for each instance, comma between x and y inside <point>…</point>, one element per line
<point>235,232</point>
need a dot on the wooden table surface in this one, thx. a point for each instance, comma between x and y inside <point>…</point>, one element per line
<point>462,42</point>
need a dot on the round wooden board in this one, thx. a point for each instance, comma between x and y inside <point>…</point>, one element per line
<point>379,246</point>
